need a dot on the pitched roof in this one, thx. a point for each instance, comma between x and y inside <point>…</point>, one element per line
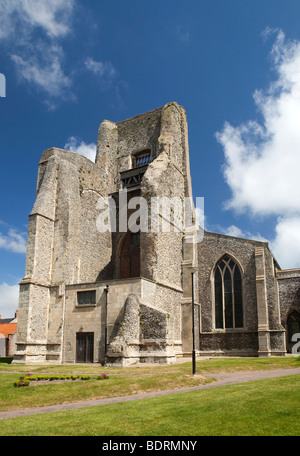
<point>9,328</point>
<point>4,321</point>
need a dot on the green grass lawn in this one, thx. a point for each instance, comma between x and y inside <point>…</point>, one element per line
<point>216,364</point>
<point>12,398</point>
<point>260,408</point>
<point>268,407</point>
<point>122,382</point>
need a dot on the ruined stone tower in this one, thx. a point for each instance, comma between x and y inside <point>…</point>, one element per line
<point>114,296</point>
<point>105,282</point>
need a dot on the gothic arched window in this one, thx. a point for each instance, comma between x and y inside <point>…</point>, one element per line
<point>228,294</point>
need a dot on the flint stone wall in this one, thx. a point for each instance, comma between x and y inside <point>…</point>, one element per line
<point>289,293</point>
<point>210,250</point>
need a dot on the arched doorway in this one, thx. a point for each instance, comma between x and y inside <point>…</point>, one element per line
<point>130,263</point>
<point>292,327</point>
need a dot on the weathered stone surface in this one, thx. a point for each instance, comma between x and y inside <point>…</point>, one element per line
<point>143,288</point>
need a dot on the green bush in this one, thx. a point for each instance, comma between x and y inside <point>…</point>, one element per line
<point>22,382</point>
<point>6,359</point>
<point>102,377</point>
<point>25,380</point>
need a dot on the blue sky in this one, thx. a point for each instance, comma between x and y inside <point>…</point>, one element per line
<point>234,65</point>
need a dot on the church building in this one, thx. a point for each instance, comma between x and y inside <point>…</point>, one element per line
<point>118,270</point>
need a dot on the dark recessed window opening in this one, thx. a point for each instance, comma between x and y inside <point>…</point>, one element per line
<point>133,177</point>
<point>141,159</point>
<point>85,298</point>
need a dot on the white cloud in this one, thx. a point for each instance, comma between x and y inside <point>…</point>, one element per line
<point>104,71</point>
<point>235,231</point>
<point>34,33</point>
<point>73,144</point>
<point>19,17</point>
<point>262,160</point>
<point>286,243</point>
<point>13,241</point>
<point>53,16</point>
<point>45,72</point>
<point>200,216</point>
<point>100,68</point>
<point>38,58</point>
<point>9,300</point>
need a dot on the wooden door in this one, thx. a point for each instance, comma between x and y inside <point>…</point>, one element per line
<point>84,347</point>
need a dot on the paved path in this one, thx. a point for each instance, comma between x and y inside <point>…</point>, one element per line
<point>222,380</point>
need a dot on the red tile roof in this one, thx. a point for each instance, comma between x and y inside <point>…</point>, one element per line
<point>9,328</point>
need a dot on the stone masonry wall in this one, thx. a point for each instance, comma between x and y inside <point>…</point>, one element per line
<point>289,292</point>
<point>210,250</point>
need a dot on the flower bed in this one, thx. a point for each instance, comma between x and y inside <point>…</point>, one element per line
<point>42,379</point>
